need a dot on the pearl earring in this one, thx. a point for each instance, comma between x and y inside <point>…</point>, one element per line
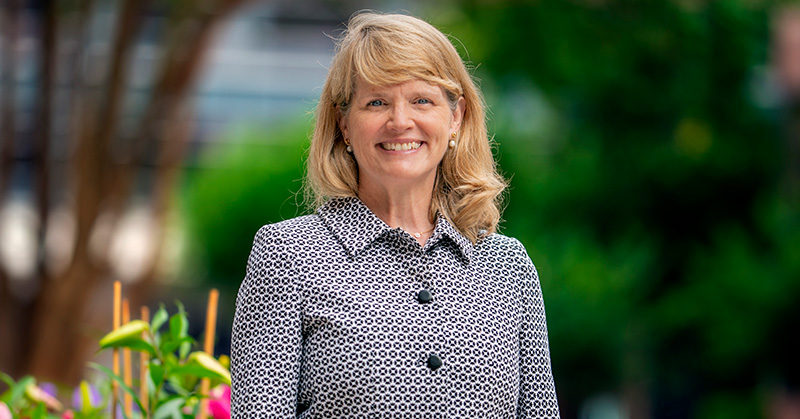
<point>453,140</point>
<point>347,143</point>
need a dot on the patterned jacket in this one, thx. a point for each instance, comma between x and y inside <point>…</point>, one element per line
<point>341,316</point>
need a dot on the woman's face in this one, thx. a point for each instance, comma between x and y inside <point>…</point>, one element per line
<point>399,133</point>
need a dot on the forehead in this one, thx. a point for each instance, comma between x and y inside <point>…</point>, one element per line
<point>407,87</point>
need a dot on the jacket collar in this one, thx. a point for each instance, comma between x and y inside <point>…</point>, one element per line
<point>356,227</point>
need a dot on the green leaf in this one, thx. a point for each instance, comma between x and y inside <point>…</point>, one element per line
<point>86,398</point>
<point>11,385</point>
<point>121,383</point>
<point>94,413</point>
<point>7,379</point>
<point>184,349</point>
<point>181,308</point>
<point>168,355</point>
<point>194,370</point>
<point>138,344</point>
<point>177,386</point>
<point>190,382</point>
<point>170,409</point>
<point>40,412</point>
<point>177,326</point>
<point>125,335</point>
<point>170,361</point>
<point>17,391</point>
<point>211,365</point>
<point>142,346</point>
<point>172,345</point>
<point>184,324</point>
<point>156,373</point>
<point>159,319</point>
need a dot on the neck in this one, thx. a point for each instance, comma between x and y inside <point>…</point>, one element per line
<point>403,206</point>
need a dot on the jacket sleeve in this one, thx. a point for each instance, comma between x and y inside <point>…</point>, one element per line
<point>537,392</point>
<point>266,338</point>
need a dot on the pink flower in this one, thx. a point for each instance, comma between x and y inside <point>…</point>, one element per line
<point>219,404</point>
<point>5,412</point>
<point>36,394</point>
<point>69,414</point>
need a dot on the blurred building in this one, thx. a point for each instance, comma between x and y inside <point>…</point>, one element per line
<point>264,62</point>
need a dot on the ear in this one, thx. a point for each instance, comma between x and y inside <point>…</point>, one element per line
<point>341,120</point>
<point>458,114</point>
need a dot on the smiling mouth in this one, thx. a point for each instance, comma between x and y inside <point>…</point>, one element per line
<point>400,146</point>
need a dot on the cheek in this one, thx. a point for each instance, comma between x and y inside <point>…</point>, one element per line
<point>360,127</point>
<point>445,121</point>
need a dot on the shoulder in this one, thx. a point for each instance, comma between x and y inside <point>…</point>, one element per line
<point>505,250</point>
<point>293,226</point>
<point>502,245</point>
<point>289,234</point>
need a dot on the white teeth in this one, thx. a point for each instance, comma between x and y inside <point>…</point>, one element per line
<point>400,146</point>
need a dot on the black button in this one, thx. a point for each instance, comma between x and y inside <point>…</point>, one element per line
<point>424,296</point>
<point>434,362</point>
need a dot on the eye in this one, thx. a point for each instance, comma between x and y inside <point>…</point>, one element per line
<point>376,102</point>
<point>424,101</point>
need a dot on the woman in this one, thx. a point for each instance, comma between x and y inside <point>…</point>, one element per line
<point>397,298</point>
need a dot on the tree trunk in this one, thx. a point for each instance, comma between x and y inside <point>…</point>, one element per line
<point>72,309</point>
<point>10,308</point>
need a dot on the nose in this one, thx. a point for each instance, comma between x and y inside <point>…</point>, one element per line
<point>400,118</point>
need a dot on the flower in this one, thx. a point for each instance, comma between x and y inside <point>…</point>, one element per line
<point>92,395</point>
<point>219,404</point>
<point>37,395</point>
<point>5,412</point>
<point>49,388</point>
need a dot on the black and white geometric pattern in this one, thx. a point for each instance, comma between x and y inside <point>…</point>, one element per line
<point>341,316</point>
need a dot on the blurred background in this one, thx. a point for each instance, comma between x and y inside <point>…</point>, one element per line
<point>653,150</point>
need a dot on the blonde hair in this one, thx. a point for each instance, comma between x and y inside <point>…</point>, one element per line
<point>387,49</point>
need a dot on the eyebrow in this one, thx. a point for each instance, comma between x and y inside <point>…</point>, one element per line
<point>417,92</point>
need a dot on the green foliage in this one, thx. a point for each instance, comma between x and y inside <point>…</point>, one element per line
<point>16,390</point>
<point>128,335</point>
<point>88,410</point>
<point>175,374</point>
<point>645,187</point>
<point>644,184</point>
<point>171,363</point>
<point>117,380</point>
<point>249,179</point>
<point>25,399</point>
<point>725,405</point>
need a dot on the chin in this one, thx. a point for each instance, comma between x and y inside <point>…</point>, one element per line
<point>408,177</point>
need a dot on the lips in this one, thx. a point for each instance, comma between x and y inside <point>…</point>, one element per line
<point>401,146</point>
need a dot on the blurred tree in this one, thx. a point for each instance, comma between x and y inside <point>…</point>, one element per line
<point>108,165</point>
<point>645,186</point>
<point>243,182</point>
